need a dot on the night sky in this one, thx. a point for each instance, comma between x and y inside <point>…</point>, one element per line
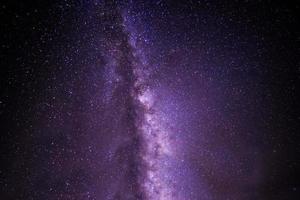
<point>149,100</point>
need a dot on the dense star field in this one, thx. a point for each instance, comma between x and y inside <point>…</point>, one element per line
<point>149,100</point>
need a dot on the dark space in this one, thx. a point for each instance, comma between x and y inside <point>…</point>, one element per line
<point>192,100</point>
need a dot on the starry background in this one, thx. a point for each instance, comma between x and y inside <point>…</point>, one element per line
<point>97,95</point>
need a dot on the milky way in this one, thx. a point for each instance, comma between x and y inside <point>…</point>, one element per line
<point>146,100</point>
